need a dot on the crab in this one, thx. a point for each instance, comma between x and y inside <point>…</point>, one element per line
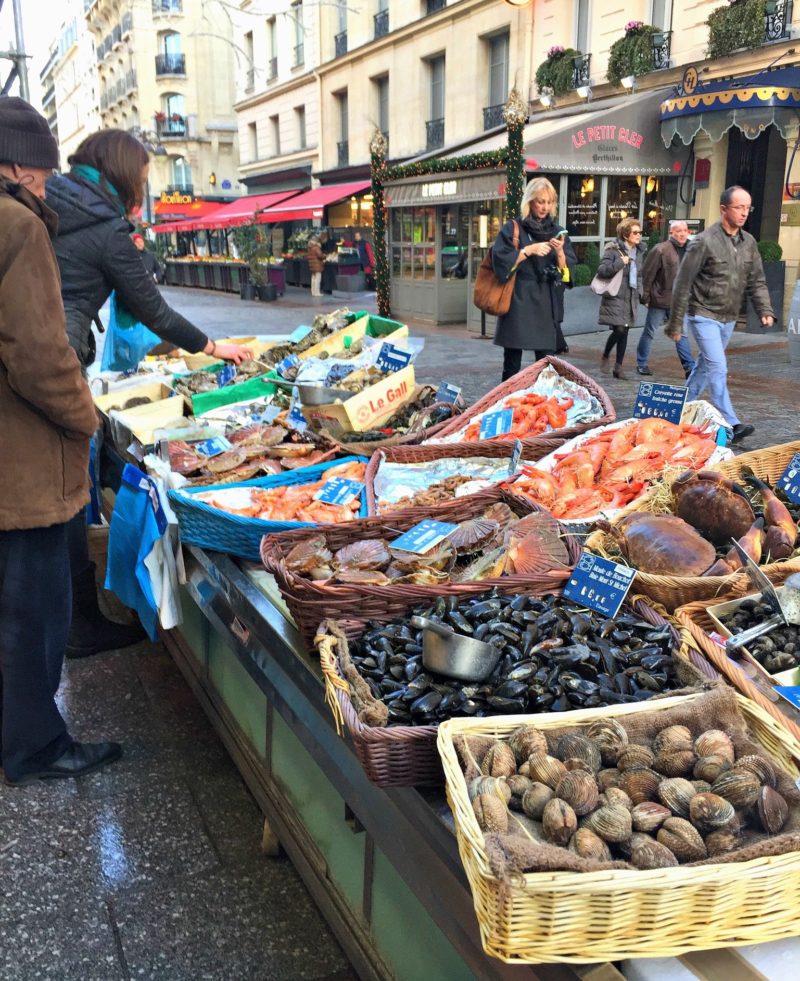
<point>717,507</point>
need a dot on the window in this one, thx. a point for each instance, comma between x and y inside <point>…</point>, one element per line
<point>413,243</point>
<point>275,126</point>
<point>498,70</point>
<point>252,140</point>
<point>661,14</point>
<point>249,66</point>
<point>296,14</point>
<point>272,48</point>
<point>382,93</point>
<point>342,16</point>
<point>582,25</point>
<point>583,205</point>
<point>300,126</point>
<point>343,113</point>
<point>171,43</point>
<point>174,109</point>
<point>436,66</point>
<point>181,173</point>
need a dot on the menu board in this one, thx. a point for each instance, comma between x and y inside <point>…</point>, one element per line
<point>583,217</point>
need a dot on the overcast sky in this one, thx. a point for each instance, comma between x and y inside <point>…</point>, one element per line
<point>41,21</point>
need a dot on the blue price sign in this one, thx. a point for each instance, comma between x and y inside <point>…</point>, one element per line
<point>422,537</point>
<point>600,584</point>
<point>496,423</point>
<point>791,693</point>
<point>226,376</point>
<point>391,358</point>
<point>299,333</point>
<point>789,480</point>
<point>290,361</point>
<point>296,419</point>
<point>515,458</point>
<point>267,414</point>
<point>660,402</point>
<point>447,393</point>
<point>213,446</point>
<point>337,490</point>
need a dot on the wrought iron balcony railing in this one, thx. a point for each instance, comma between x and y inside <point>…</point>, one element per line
<point>116,35</point>
<point>130,80</point>
<point>299,56</point>
<point>580,70</point>
<point>777,20</point>
<point>179,189</point>
<point>167,6</point>
<point>170,64</point>
<point>381,21</point>
<point>273,68</point>
<point>343,151</point>
<point>661,45</point>
<point>434,134</point>
<point>493,116</point>
<point>340,44</point>
<point>174,128</point>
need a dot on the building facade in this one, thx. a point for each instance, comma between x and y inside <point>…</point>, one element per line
<point>75,82</point>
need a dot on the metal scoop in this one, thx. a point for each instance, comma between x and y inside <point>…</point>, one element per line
<point>453,655</point>
<point>785,607</point>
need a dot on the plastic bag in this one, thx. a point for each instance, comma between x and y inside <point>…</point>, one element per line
<point>127,341</point>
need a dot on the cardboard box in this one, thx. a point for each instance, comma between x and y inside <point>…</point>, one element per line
<point>334,344</point>
<point>141,422</point>
<point>154,391</point>
<point>370,408</point>
<point>195,362</point>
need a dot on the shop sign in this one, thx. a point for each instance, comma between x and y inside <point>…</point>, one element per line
<point>391,358</point>
<point>789,480</point>
<point>338,490</point>
<point>439,189</point>
<point>660,402</point>
<point>496,423</point>
<point>176,198</point>
<point>422,537</point>
<point>599,584</point>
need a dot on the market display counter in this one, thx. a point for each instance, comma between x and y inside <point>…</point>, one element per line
<point>224,276</point>
<point>382,865</point>
<point>298,274</point>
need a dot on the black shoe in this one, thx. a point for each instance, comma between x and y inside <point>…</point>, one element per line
<point>563,350</point>
<point>741,431</point>
<point>687,372</point>
<point>644,371</point>
<point>79,759</point>
<point>91,632</point>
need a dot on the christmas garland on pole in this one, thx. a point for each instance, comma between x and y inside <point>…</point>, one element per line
<point>377,150</point>
<point>515,114</point>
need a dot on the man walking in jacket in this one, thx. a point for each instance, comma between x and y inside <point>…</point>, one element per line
<point>47,420</point>
<point>658,277</point>
<point>722,267</point>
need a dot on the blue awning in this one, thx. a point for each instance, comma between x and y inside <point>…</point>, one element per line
<point>751,103</point>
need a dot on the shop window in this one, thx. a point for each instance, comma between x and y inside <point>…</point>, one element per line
<point>414,243</point>
<point>660,205</point>
<point>622,201</point>
<point>455,242</point>
<point>583,205</point>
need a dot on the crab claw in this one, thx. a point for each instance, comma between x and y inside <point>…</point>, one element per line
<point>720,568</point>
<point>776,513</point>
<point>777,544</point>
<point>752,543</point>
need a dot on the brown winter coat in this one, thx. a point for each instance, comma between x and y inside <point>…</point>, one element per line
<point>315,258</point>
<point>658,275</point>
<point>46,411</point>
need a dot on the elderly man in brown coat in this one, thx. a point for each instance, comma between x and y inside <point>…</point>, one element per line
<point>47,421</point>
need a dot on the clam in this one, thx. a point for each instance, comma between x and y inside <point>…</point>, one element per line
<point>491,786</point>
<point>545,769</point>
<point>649,816</point>
<point>641,784</point>
<point>517,785</point>
<point>708,768</point>
<point>760,767</point>
<point>609,737</point>
<point>491,813</point>
<point>671,738</point>
<point>772,810</point>
<point>612,823</point>
<point>573,763</point>
<point>634,757</point>
<point>709,811</point>
<point>525,741</point>
<point>616,795</point>
<point>589,845</point>
<point>535,798</point>
<point>701,786</point>
<point>676,794</point>
<point>715,742</point>
<point>499,761</point>
<point>721,842</point>
<point>740,787</point>
<point>579,790</point>
<point>675,762</point>
<point>559,822</point>
<point>682,839</point>
<point>608,778</point>
<point>575,746</point>
<point>649,854</point>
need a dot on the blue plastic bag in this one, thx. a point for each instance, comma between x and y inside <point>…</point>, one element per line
<point>127,340</point>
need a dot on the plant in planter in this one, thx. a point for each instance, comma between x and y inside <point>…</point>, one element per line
<point>582,275</point>
<point>632,54</point>
<point>160,117</point>
<point>775,273</point>
<point>770,251</point>
<point>740,24</point>
<point>556,73</point>
<point>252,245</point>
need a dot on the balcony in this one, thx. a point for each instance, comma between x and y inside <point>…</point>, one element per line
<point>167,6</point>
<point>130,80</point>
<point>250,80</point>
<point>127,23</point>
<point>340,43</point>
<point>272,68</point>
<point>580,70</point>
<point>381,22</point>
<point>432,6</point>
<point>661,46</point>
<point>493,116</point>
<point>170,64</point>
<point>777,20</point>
<point>343,152</point>
<point>298,56</point>
<point>49,95</point>
<point>174,129</point>
<point>116,36</point>
<point>434,134</point>
<point>179,189</point>
<point>103,101</point>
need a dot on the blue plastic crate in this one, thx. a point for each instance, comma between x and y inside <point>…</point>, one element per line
<point>209,527</point>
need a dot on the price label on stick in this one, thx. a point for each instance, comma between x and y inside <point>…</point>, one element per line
<point>299,333</point>
<point>290,361</point>
<point>422,537</point>
<point>338,490</point>
<point>791,693</point>
<point>599,583</point>
<point>660,402</point>
<point>513,463</point>
<point>213,446</point>
<point>226,375</point>
<point>496,423</point>
<point>391,358</point>
<point>295,418</point>
<point>789,480</point>
<point>448,393</point>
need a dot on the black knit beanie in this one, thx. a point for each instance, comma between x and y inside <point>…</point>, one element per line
<point>25,136</point>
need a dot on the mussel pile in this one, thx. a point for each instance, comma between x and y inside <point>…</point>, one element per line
<point>555,656</point>
<point>778,650</point>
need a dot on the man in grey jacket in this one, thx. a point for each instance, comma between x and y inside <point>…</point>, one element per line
<point>722,267</point>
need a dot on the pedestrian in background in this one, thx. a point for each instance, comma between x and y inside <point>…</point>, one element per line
<point>658,277</point>
<point>544,259</point>
<point>48,418</point>
<point>721,269</point>
<point>366,258</point>
<point>150,259</point>
<point>618,312</point>
<point>316,263</point>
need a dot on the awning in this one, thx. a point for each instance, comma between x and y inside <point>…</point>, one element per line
<point>311,204</point>
<point>242,210</point>
<point>186,209</point>
<point>750,103</point>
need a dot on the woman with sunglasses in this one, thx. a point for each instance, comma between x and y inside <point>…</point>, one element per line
<point>618,312</point>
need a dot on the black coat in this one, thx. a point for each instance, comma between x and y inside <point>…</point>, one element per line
<point>153,266</point>
<point>620,310</point>
<point>95,256</point>
<point>537,303</point>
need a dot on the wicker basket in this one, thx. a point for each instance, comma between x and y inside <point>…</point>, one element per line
<point>311,602</point>
<point>695,618</point>
<point>582,917</point>
<point>525,379</point>
<point>675,591</point>
<point>440,451</point>
<point>404,756</point>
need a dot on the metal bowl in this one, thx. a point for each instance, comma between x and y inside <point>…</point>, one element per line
<point>453,655</point>
<point>312,393</point>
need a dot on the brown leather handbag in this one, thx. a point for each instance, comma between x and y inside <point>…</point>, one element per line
<point>489,294</point>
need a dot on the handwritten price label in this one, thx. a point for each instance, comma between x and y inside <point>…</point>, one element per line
<point>660,402</point>
<point>599,583</point>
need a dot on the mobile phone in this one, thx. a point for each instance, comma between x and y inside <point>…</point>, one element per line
<point>562,234</point>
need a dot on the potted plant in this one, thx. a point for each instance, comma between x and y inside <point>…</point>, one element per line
<point>632,54</point>
<point>775,273</point>
<point>558,70</point>
<point>160,117</point>
<point>253,247</point>
<point>738,25</point>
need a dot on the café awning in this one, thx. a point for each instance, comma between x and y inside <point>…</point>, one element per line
<point>242,210</point>
<point>311,204</point>
<point>196,208</point>
<point>750,103</point>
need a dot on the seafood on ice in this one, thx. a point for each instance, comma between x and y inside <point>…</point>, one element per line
<point>533,415</point>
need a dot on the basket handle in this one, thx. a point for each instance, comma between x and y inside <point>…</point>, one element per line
<point>325,644</point>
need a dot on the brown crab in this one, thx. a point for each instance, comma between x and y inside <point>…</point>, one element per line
<point>717,507</point>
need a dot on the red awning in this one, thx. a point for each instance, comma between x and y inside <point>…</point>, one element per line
<point>311,204</point>
<point>195,209</point>
<point>241,211</point>
<point>164,227</point>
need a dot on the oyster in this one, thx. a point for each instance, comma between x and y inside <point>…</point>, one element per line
<point>579,790</point>
<point>682,839</point>
<point>559,822</point>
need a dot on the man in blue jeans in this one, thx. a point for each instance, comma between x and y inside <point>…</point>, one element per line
<point>722,267</point>
<point>658,278</point>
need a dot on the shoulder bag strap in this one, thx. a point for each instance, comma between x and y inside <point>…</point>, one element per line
<point>516,234</point>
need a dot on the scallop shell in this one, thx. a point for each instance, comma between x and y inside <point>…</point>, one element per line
<point>535,798</point>
<point>308,555</point>
<point>609,737</point>
<point>525,741</point>
<point>546,769</point>
<point>471,535</point>
<point>589,845</point>
<point>608,778</point>
<point>715,742</point>
<point>673,737</point>
<point>575,746</point>
<point>675,762</point>
<point>709,811</point>
<point>649,816</point>
<point>676,794</point>
<point>635,757</point>
<point>612,823</point>
<point>737,786</point>
<point>649,854</point>
<point>229,460</point>
<point>773,810</point>
<point>760,767</point>
<point>499,761</point>
<point>362,577</point>
<point>369,554</point>
<point>615,795</point>
<point>490,786</point>
<point>708,768</point>
<point>721,842</point>
<point>682,839</point>
<point>534,545</point>
<point>501,514</point>
<point>559,822</point>
<point>579,790</point>
<point>641,785</point>
<point>491,812</point>
<point>517,785</point>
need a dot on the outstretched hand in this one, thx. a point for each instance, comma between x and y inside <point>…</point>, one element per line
<point>233,352</point>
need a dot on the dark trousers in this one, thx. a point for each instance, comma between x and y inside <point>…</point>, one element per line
<point>35,612</point>
<point>617,338</point>
<point>512,360</point>
<point>78,544</point>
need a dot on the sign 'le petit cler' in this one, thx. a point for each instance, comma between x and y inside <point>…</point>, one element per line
<point>607,134</point>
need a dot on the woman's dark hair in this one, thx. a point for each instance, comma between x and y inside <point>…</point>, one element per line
<point>120,158</point>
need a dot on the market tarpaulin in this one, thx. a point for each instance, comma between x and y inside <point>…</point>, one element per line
<point>311,204</point>
<point>751,104</point>
<point>242,210</point>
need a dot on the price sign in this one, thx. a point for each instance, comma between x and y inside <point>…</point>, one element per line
<point>226,376</point>
<point>290,361</point>
<point>295,418</point>
<point>599,583</point>
<point>448,393</point>
<point>791,693</point>
<point>267,414</point>
<point>422,537</point>
<point>299,333</point>
<point>789,480</point>
<point>213,446</point>
<point>391,358</point>
<point>513,463</point>
<point>660,402</point>
<point>338,490</point>
<point>496,423</point>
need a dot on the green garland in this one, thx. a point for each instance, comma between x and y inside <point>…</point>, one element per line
<point>632,54</point>
<point>515,171</point>
<point>438,165</point>
<point>740,25</point>
<point>557,73</point>
<point>378,170</point>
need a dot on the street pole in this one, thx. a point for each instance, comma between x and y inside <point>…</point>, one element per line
<point>21,59</point>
